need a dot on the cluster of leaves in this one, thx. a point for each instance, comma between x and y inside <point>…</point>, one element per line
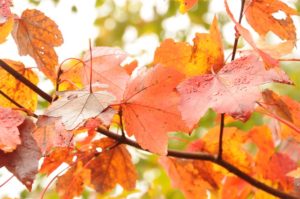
<point>99,93</point>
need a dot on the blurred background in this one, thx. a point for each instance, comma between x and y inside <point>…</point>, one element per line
<point>138,27</point>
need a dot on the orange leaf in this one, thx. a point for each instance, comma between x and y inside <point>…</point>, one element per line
<point>233,150</point>
<point>55,159</point>
<point>268,60</point>
<point>150,108</point>
<point>71,184</point>
<point>111,167</point>
<point>260,12</point>
<point>206,54</point>
<point>193,178</point>
<point>71,76</point>
<point>37,35</point>
<point>15,89</point>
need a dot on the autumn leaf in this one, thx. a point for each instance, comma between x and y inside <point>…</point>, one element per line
<point>194,178</point>
<point>51,133</point>
<point>233,150</point>
<point>235,188</point>
<point>233,90</point>
<point>276,105</point>
<point>270,164</point>
<point>15,89</point>
<point>10,120</point>
<point>72,183</point>
<point>70,77</point>
<point>265,9</point>
<point>186,5</point>
<point>6,28</point>
<point>74,107</point>
<point>5,11</point>
<point>37,35</point>
<point>53,160</point>
<point>269,61</point>
<point>150,108</point>
<point>23,162</point>
<point>206,54</point>
<point>111,167</point>
<point>106,69</point>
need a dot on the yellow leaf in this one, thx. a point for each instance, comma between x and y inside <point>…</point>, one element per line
<point>17,90</point>
<point>205,56</point>
<point>6,28</point>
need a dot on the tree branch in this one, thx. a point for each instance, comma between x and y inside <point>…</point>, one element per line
<point>206,157</point>
<point>25,81</point>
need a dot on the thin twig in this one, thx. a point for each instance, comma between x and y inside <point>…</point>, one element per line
<point>206,157</point>
<point>234,49</point>
<point>25,81</point>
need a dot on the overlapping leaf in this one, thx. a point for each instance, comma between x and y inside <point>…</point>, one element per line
<point>51,133</point>
<point>23,162</point>
<point>37,35</point>
<point>74,107</point>
<point>265,9</point>
<point>206,54</point>
<point>9,122</point>
<point>233,90</point>
<point>150,107</point>
<point>193,178</point>
<point>111,167</point>
<point>15,89</point>
<point>72,183</point>
<point>106,69</point>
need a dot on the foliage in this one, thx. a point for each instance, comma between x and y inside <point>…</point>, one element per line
<point>237,139</point>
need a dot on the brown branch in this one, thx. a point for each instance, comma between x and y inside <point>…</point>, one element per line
<point>25,81</point>
<point>206,157</point>
<point>17,104</point>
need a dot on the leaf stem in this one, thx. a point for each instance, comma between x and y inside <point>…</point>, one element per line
<point>234,49</point>
<point>91,69</point>
<point>25,81</point>
<point>206,157</point>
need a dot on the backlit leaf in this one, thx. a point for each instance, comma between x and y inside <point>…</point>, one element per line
<point>206,54</point>
<point>233,90</point>
<point>6,28</point>
<point>74,107</point>
<point>107,69</point>
<point>37,35</point>
<point>112,167</point>
<point>15,89</point>
<point>150,108</point>
<point>265,9</point>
